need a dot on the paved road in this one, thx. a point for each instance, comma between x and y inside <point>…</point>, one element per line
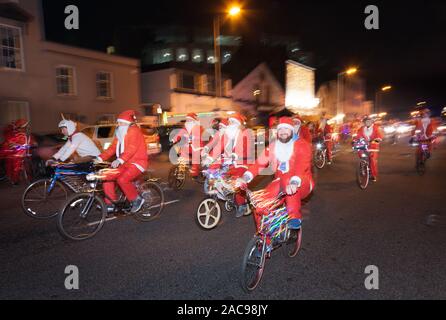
<point>398,225</point>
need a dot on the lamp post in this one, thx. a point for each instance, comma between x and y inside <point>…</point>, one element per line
<point>377,96</point>
<point>339,107</point>
<point>232,12</point>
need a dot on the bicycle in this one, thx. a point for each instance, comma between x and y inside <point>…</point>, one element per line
<point>363,172</point>
<point>272,234</point>
<point>54,191</point>
<point>320,154</point>
<point>217,188</point>
<point>422,154</point>
<point>178,173</point>
<point>83,215</point>
<point>26,164</point>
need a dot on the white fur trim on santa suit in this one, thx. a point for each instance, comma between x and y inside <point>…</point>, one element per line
<point>123,121</point>
<point>296,180</point>
<point>287,126</point>
<point>248,176</point>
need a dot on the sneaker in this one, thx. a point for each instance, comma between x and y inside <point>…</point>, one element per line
<point>137,204</point>
<point>373,179</point>
<point>295,224</point>
<point>110,208</point>
<point>241,211</point>
<point>329,163</point>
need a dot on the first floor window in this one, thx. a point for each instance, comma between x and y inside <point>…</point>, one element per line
<point>104,85</point>
<point>11,54</point>
<point>65,81</point>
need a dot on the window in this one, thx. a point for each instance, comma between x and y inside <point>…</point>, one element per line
<point>226,57</point>
<point>11,53</point>
<point>197,55</point>
<point>105,132</point>
<point>104,85</point>
<point>182,54</point>
<point>210,88</point>
<point>65,81</point>
<point>162,56</point>
<point>13,110</point>
<point>211,58</point>
<point>186,81</point>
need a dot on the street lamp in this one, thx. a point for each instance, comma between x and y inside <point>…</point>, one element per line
<point>377,96</point>
<point>348,72</point>
<point>233,11</point>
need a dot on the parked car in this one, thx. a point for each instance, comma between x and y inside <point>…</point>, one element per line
<point>164,134</point>
<point>103,135</point>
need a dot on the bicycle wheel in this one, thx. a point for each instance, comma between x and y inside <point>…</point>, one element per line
<point>294,242</point>
<point>82,217</point>
<point>363,176</point>
<point>253,265</point>
<point>319,159</point>
<point>421,164</point>
<point>154,201</point>
<point>176,179</point>
<point>208,214</point>
<point>39,202</point>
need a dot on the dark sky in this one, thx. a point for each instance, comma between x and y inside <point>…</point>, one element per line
<point>408,51</point>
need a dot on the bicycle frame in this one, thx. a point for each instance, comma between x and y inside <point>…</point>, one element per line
<point>65,170</point>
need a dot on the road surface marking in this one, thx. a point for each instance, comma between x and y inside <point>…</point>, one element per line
<point>114,218</point>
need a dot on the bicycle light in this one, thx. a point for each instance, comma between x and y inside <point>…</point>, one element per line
<point>319,146</point>
<point>91,177</point>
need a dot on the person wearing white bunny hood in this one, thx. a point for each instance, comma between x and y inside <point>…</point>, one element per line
<point>79,146</point>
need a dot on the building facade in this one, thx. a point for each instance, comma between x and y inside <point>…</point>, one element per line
<point>40,80</point>
<point>259,94</point>
<point>179,90</point>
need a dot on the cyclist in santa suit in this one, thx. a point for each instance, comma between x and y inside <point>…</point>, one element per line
<point>371,133</point>
<point>290,159</point>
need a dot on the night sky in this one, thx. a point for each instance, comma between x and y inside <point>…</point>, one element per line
<point>407,52</point>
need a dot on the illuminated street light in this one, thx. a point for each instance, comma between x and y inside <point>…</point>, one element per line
<point>234,11</point>
<point>377,96</point>
<point>349,72</point>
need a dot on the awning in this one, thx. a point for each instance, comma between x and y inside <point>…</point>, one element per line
<point>13,11</point>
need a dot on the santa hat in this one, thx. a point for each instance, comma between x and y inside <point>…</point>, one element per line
<point>286,122</point>
<point>238,117</point>
<point>192,116</point>
<point>128,117</point>
<point>297,120</point>
<point>224,123</point>
<point>21,123</point>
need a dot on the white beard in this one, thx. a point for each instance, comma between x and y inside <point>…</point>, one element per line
<point>189,126</point>
<point>425,122</point>
<point>284,151</point>
<point>232,131</point>
<point>368,131</point>
<point>121,132</point>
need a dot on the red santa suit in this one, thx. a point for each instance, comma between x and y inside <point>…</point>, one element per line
<point>326,131</point>
<point>191,142</point>
<point>15,148</point>
<point>424,130</point>
<point>291,163</point>
<point>234,148</point>
<point>130,149</point>
<point>370,134</point>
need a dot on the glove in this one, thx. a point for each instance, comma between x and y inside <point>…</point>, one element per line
<point>291,189</point>
<point>240,183</point>
<point>50,162</point>
<point>115,164</point>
